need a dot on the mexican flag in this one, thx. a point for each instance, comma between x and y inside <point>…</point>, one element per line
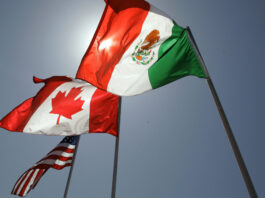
<point>65,106</point>
<point>137,48</point>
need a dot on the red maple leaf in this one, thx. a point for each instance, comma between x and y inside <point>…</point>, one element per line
<point>67,105</point>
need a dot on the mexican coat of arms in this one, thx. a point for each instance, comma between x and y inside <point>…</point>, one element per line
<point>143,53</point>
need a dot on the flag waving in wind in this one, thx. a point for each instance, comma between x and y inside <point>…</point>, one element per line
<point>65,106</point>
<point>137,48</point>
<point>61,156</point>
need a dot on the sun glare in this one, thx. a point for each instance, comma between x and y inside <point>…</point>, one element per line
<point>105,44</point>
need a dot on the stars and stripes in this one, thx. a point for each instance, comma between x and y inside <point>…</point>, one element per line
<point>58,158</point>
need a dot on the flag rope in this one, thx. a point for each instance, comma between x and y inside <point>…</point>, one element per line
<point>229,133</point>
<point>71,169</point>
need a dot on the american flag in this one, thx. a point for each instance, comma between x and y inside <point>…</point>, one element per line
<point>58,158</point>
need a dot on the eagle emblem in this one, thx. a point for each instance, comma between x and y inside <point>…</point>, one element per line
<point>143,53</point>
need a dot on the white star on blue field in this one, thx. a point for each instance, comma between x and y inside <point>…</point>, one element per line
<point>172,141</point>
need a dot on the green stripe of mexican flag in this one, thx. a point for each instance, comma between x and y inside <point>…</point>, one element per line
<point>137,48</point>
<point>176,59</point>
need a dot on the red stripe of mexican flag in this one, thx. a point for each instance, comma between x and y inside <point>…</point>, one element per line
<point>137,48</point>
<point>111,40</point>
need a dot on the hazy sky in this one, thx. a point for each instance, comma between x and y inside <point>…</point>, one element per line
<point>172,142</point>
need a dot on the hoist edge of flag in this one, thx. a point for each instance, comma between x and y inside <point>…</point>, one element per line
<point>180,58</point>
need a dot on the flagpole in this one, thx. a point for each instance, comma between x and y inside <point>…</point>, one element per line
<point>115,166</point>
<point>71,169</point>
<point>229,133</point>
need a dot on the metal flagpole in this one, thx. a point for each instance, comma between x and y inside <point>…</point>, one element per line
<point>71,169</point>
<point>115,166</point>
<point>232,140</point>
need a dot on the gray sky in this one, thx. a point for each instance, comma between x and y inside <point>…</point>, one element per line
<point>172,142</point>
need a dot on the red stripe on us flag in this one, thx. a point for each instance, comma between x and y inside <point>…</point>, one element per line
<point>56,159</point>
<point>27,183</point>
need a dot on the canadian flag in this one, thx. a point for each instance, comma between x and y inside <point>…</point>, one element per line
<point>65,106</point>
